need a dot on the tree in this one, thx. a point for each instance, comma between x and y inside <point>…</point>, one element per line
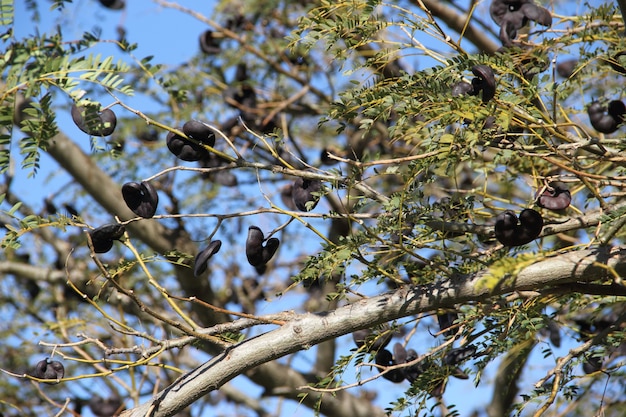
<point>347,205</point>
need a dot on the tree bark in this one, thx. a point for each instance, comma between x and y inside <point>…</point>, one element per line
<point>306,330</point>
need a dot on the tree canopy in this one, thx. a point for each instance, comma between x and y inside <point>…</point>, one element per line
<point>349,208</point>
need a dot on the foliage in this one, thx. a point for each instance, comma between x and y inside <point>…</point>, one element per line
<point>356,97</point>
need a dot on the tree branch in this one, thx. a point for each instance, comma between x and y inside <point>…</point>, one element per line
<point>310,329</point>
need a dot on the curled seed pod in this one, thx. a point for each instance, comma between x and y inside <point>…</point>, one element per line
<point>102,238</point>
<point>148,136</point>
<point>241,95</point>
<point>446,320</point>
<point>592,364</point>
<point>185,149</point>
<point>459,373</point>
<point>113,4</point>
<point>47,369</point>
<point>517,13</point>
<point>399,353</point>
<point>484,81</point>
<point>108,407</point>
<point>285,196</point>
<point>554,197</point>
<point>209,44</point>
<point>71,210</point>
<point>200,132</point>
<point>412,372</point>
<point>92,121</point>
<point>257,253</point>
<point>385,358</point>
<point>566,68</point>
<point>325,158</point>
<point>141,198</point>
<point>510,232</point>
<point>303,193</point>
<point>51,208</point>
<point>554,333</point>
<point>458,355</point>
<point>200,263</point>
<point>373,342</point>
<point>461,88</point>
<point>606,120</point>
<point>536,13</point>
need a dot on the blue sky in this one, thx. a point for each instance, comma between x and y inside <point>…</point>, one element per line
<point>171,37</point>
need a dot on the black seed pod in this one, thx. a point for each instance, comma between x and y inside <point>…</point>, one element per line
<point>185,149</point>
<point>566,68</point>
<point>446,320</point>
<point>412,372</point>
<point>511,233</point>
<point>385,358</point>
<point>92,121</point>
<point>302,193</point>
<point>484,81</point>
<point>141,198</point>
<point>101,407</point>
<point>458,355</point>
<point>200,132</point>
<point>461,88</point>
<point>592,364</point>
<point>606,120</point>
<point>200,264</point>
<point>113,4</point>
<point>554,197</point>
<point>512,15</point>
<point>361,337</point>
<point>47,369</point>
<point>257,253</point>
<point>209,44</point>
<point>102,238</point>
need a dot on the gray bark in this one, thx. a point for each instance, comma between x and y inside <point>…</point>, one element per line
<point>306,330</point>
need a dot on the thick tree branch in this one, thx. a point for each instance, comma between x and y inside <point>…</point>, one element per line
<point>310,329</point>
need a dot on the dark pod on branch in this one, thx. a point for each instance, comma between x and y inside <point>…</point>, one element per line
<point>554,197</point>
<point>592,364</point>
<point>209,44</point>
<point>446,320</point>
<point>606,120</point>
<point>371,341</point>
<point>113,4</point>
<point>461,88</point>
<point>385,358</point>
<point>304,193</point>
<point>102,407</point>
<point>71,210</point>
<point>141,198</point>
<point>285,196</point>
<point>553,331</point>
<point>512,15</point>
<point>511,231</point>
<point>566,68</point>
<point>412,372</point>
<point>241,95</point>
<point>259,254</point>
<point>102,238</point>
<point>200,132</point>
<point>459,355</point>
<point>484,81</point>
<point>185,149</point>
<point>200,263</point>
<point>47,369</point>
<point>92,121</point>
